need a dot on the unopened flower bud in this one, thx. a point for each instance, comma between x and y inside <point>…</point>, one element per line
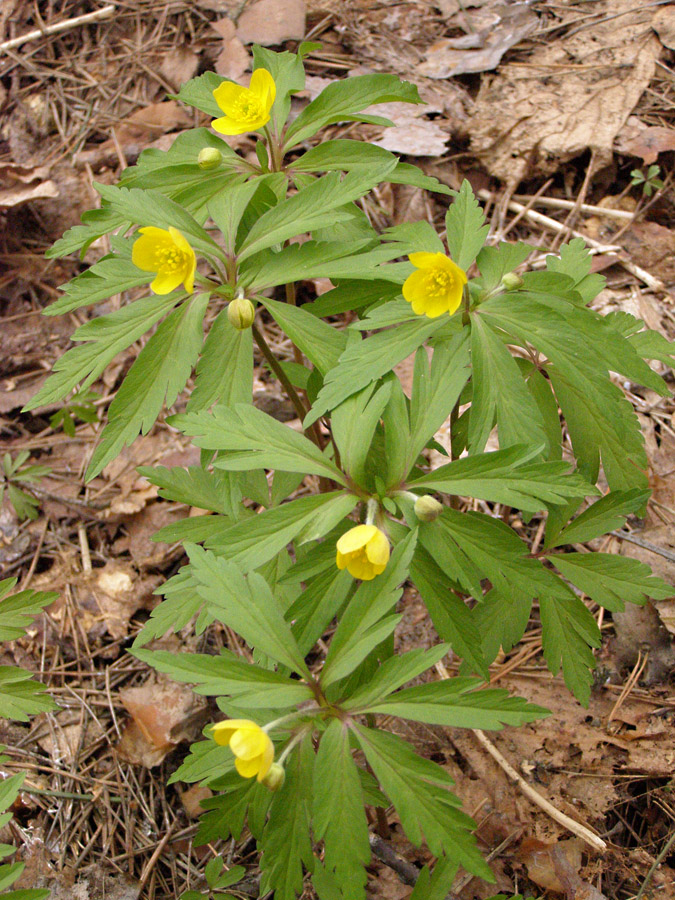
<point>511,281</point>
<point>241,313</point>
<point>428,509</point>
<point>209,158</point>
<point>275,777</point>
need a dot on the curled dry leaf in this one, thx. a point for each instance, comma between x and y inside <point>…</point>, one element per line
<point>644,141</point>
<point>271,22</point>
<point>555,867</point>
<point>19,184</point>
<point>487,40</point>
<point>532,117</point>
<point>162,715</point>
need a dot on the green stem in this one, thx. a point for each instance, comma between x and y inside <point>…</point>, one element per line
<point>274,150</point>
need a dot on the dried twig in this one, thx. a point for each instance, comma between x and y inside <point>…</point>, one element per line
<point>99,14</point>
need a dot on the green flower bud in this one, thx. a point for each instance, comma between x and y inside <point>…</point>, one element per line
<point>511,281</point>
<point>241,313</point>
<point>209,158</point>
<point>428,509</point>
<point>275,777</point>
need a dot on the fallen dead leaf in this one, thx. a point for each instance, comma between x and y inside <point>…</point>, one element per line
<point>414,134</point>
<point>652,246</point>
<point>179,65</point>
<point>270,22</point>
<point>648,143</point>
<point>67,738</point>
<point>572,94</point>
<point>192,797</point>
<point>93,883</point>
<point>663,23</point>
<point>20,184</point>
<point>233,59</point>
<point>488,37</point>
<point>163,714</point>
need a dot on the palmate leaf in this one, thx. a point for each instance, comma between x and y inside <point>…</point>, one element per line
<point>342,101</point>
<point>499,394</point>
<point>104,338</point>
<point>289,77</point>
<point>318,604</point>
<point>206,762</point>
<point>507,476</point>
<point>502,620</point>
<point>455,704</point>
<point>315,206</point>
<point>181,603</point>
<point>575,260</point>
<point>111,275</point>
<point>353,425</point>
<point>218,492</point>
<point>610,580</point>
<point>286,841</point>
<point>177,168</point>
<point>320,343</point>
<point>253,541</point>
<point>367,360</point>
<point>247,605</point>
<point>418,788</point>
<point>606,514</point>
<point>224,373</point>
<point>393,674</point>
<point>494,262</point>
<point>17,611</point>
<point>158,375</point>
<point>97,222</point>
<point>339,818</point>
<point>21,696</point>
<point>569,631</point>
<point>465,227</point>
<point>252,439</point>
<point>228,675</point>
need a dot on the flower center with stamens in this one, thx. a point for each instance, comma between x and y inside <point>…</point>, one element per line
<point>169,258</point>
<point>247,108</point>
<point>438,282</point>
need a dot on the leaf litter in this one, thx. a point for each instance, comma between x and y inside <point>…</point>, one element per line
<point>608,767</point>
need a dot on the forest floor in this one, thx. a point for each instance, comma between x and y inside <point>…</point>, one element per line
<point>547,107</point>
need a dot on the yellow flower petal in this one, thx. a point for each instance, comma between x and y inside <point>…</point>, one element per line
<point>425,260</point>
<point>247,768</point>
<point>377,549</point>
<point>227,94</point>
<point>223,731</point>
<point>228,126</point>
<point>266,760</point>
<point>355,538</point>
<point>165,282</point>
<point>263,85</point>
<point>413,287</point>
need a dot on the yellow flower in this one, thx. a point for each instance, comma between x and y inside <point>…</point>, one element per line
<point>168,254</point>
<point>246,109</point>
<point>251,745</point>
<point>363,551</point>
<point>437,285</point>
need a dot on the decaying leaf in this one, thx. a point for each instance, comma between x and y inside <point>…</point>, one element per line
<point>663,23</point>
<point>414,134</point>
<point>644,141</point>
<point>179,65</point>
<point>555,867</point>
<point>163,714</point>
<point>233,59</point>
<point>487,39</point>
<point>19,184</point>
<point>531,117</point>
<point>270,22</point>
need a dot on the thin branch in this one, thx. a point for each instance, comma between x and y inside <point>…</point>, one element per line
<point>96,16</point>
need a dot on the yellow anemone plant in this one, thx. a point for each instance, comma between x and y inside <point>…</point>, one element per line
<point>251,745</point>
<point>363,551</point>
<point>437,285</point>
<point>245,109</point>
<point>169,255</point>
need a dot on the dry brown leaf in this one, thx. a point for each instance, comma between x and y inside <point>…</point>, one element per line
<point>19,184</point>
<point>270,22</point>
<point>652,246</point>
<point>163,714</point>
<point>490,33</point>
<point>67,738</point>
<point>571,95</point>
<point>646,142</point>
<point>192,798</point>
<point>93,883</point>
<point>663,23</point>
<point>179,65</point>
<point>233,59</point>
<point>414,134</point>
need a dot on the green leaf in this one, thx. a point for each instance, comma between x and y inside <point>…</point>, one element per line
<point>224,373</point>
<point>353,424</point>
<point>393,673</point>
<point>111,275</point>
<point>575,261</point>
<point>198,92</point>
<point>148,207</point>
<point>247,605</point>
<point>177,168</point>
<point>289,77</point>
<point>97,222</point>
<point>227,208</point>
<point>611,580</point>
<point>339,818</point>
<point>230,675</point>
<point>453,703</point>
<point>569,630</point>
<point>507,476</point>
<point>253,541</point>
<point>182,603</point>
<point>321,343</point>
<point>313,207</point>
<point>21,696</point>
<point>342,156</point>
<point>194,486</point>
<point>158,375</point>
<point>418,789</point>
<point>254,440</point>
<point>352,295</point>
<point>436,886</point>
<point>286,842</point>
<point>465,227</point>
<point>367,360</point>
<point>105,337</point>
<point>342,101</point>
<point>499,393</point>
<point>494,262</point>
<point>606,514</point>
<point>18,610</point>
<point>318,604</point>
